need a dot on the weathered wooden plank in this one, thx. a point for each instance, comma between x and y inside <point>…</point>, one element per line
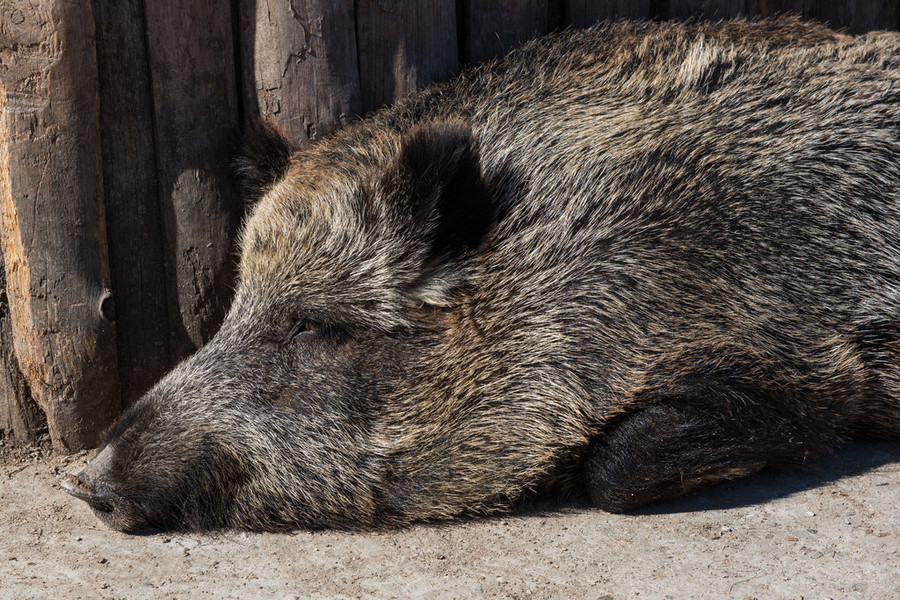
<point>130,185</point>
<point>855,16</point>
<point>299,65</point>
<point>404,45</point>
<point>710,9</point>
<point>493,28</point>
<point>772,8</point>
<point>583,13</point>
<point>192,70</point>
<point>858,16</point>
<point>51,208</point>
<point>20,418</point>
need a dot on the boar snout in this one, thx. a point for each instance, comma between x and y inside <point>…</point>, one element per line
<point>90,485</point>
<point>100,500</point>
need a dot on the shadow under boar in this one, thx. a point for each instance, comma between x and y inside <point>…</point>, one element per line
<point>632,260</point>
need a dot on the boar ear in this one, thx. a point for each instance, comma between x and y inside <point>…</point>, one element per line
<point>264,159</point>
<point>439,178</point>
<point>437,175</point>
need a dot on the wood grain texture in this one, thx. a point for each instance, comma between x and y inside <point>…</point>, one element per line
<point>493,28</point>
<point>709,9</point>
<point>21,421</point>
<point>404,45</point>
<point>856,16</point>
<point>192,70</point>
<point>134,224</point>
<point>53,226</point>
<point>299,65</point>
<point>583,13</point>
<point>771,8</point>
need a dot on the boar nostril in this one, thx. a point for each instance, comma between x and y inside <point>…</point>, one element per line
<point>74,486</point>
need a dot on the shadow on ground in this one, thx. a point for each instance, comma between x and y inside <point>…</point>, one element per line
<point>771,484</point>
<point>765,486</point>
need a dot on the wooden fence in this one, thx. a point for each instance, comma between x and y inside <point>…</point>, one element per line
<point>116,121</point>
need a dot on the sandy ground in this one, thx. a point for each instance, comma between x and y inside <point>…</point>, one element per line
<point>830,533</point>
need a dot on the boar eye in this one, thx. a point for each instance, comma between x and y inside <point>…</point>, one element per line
<point>302,328</point>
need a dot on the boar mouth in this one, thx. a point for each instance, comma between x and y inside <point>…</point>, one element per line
<point>101,501</point>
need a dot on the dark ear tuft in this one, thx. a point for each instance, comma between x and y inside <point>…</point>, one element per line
<point>438,165</point>
<point>264,159</point>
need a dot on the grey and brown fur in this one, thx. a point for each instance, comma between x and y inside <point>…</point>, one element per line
<point>631,260</point>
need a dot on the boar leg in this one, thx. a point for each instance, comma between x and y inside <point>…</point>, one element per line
<point>678,444</point>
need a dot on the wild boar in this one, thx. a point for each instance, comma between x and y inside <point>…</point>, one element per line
<point>628,261</point>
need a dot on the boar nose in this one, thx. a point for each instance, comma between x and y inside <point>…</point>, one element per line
<point>85,486</point>
<point>74,486</point>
